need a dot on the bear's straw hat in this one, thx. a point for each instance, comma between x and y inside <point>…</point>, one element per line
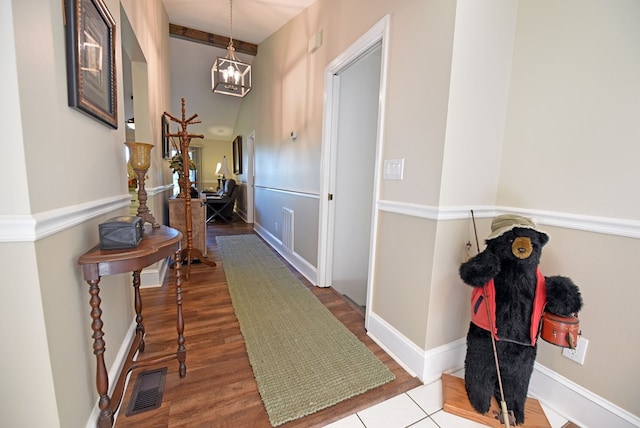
<point>506,222</point>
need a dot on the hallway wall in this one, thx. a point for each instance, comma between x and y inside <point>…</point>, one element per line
<point>67,174</point>
<point>521,107</point>
<point>571,147</point>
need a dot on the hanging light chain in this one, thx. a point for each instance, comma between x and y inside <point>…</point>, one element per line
<point>229,75</point>
<point>231,24</point>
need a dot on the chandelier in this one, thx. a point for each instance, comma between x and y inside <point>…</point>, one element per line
<point>229,75</point>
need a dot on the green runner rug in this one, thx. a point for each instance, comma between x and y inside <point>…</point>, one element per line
<point>303,358</point>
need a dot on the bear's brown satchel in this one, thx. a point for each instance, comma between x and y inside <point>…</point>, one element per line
<point>560,331</point>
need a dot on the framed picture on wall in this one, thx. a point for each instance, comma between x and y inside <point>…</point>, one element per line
<point>166,139</point>
<point>91,69</point>
<point>237,155</point>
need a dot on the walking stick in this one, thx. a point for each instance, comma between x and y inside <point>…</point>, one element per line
<point>505,416</point>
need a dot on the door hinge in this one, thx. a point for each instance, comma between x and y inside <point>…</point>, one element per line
<point>330,197</point>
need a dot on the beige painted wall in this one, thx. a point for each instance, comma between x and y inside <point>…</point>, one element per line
<point>191,79</point>
<point>403,268</point>
<point>288,92</point>
<point>17,193</point>
<point>26,371</point>
<point>65,304</point>
<point>573,105</point>
<point>571,146</point>
<point>415,117</point>
<point>20,287</point>
<point>605,269</point>
<point>481,64</point>
<point>71,164</point>
<point>190,67</point>
<point>523,105</point>
<point>212,152</point>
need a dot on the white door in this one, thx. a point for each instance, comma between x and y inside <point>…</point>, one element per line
<point>355,84</point>
<point>357,126</point>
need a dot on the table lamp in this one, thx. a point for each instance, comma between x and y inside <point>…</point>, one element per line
<point>223,169</point>
<point>140,160</point>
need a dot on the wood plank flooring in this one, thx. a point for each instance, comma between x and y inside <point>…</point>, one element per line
<point>219,389</point>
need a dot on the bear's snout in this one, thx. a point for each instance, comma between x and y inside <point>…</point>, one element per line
<point>521,247</point>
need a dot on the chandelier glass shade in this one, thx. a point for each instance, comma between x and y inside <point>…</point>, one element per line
<point>229,75</point>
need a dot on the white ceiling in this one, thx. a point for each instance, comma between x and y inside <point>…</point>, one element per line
<point>253,20</point>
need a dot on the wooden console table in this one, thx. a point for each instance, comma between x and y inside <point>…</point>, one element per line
<point>156,244</point>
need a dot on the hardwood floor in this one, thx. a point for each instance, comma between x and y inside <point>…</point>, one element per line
<point>219,389</point>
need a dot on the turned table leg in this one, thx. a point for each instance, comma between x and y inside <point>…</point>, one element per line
<point>102,378</point>
<point>138,306</point>
<point>182,350</point>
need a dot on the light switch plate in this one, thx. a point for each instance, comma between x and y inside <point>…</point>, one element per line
<point>393,169</point>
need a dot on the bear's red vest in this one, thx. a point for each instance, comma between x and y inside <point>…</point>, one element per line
<point>479,312</point>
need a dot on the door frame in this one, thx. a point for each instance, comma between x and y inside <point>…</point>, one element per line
<point>251,175</point>
<point>379,33</point>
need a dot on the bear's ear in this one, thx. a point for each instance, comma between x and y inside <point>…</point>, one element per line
<point>544,238</point>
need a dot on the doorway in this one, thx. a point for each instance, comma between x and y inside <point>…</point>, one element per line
<point>251,143</point>
<point>135,83</point>
<point>359,86</point>
<point>351,146</point>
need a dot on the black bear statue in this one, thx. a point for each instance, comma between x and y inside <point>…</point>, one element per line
<point>510,294</point>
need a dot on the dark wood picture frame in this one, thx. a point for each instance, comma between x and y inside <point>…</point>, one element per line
<point>90,35</point>
<point>166,139</point>
<point>237,155</point>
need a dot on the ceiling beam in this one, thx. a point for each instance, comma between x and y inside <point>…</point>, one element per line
<point>222,42</point>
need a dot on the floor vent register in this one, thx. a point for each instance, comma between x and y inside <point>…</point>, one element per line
<point>147,392</point>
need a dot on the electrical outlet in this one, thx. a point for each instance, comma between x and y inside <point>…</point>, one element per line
<point>579,353</point>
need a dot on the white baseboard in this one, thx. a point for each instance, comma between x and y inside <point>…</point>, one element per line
<point>576,403</point>
<point>402,350</point>
<point>153,276</point>
<point>114,372</point>
<point>429,365</point>
<point>568,399</point>
<point>301,265</point>
<point>447,358</point>
<point>242,214</point>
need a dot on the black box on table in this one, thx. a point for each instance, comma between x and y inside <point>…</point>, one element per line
<point>120,233</point>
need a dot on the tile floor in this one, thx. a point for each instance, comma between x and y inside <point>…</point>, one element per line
<point>419,408</point>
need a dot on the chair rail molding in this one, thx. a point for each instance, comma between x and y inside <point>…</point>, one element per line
<point>32,227</point>
<point>299,193</point>
<point>605,225</point>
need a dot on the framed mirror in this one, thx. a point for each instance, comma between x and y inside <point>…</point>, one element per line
<point>237,155</point>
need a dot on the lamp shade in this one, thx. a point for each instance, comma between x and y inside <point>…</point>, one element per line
<point>139,155</point>
<point>223,168</point>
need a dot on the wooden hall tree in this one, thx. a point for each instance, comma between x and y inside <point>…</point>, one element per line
<point>188,253</point>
